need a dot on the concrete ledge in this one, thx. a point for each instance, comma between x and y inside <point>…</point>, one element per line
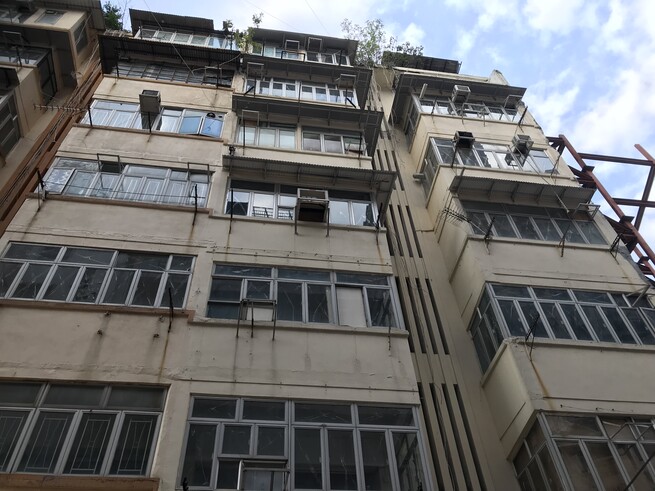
<point>86,483</point>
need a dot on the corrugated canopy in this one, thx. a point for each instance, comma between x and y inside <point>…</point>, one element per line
<point>169,21</point>
<point>381,182</point>
<point>301,70</point>
<point>395,58</point>
<point>364,120</point>
<point>114,47</point>
<point>490,189</point>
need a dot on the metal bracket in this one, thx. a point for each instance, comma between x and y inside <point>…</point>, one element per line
<point>531,333</point>
<point>250,303</point>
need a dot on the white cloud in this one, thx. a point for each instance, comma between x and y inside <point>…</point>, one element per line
<point>412,34</point>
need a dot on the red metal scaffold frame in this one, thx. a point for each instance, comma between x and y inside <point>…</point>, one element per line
<point>626,230</point>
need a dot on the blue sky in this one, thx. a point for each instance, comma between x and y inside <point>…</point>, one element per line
<point>588,65</point>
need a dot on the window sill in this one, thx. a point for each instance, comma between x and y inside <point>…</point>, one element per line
<point>281,221</point>
<point>152,133</point>
<point>33,482</point>
<point>244,327</point>
<point>119,202</point>
<point>302,152</point>
<point>516,172</point>
<point>347,105</point>
<point>482,121</point>
<point>542,243</point>
<point>87,307</point>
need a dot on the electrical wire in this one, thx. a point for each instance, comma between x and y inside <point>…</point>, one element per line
<point>317,18</point>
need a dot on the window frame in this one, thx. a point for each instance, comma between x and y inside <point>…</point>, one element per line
<point>103,289</point>
<point>330,280</point>
<point>322,134</point>
<point>443,106</point>
<point>8,102</point>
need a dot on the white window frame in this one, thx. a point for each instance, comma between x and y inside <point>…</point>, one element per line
<point>361,142</point>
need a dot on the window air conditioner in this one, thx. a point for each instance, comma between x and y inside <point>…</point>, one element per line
<point>312,205</point>
<point>314,44</point>
<point>150,101</point>
<point>512,101</point>
<point>292,45</point>
<point>522,144</point>
<point>460,94</point>
<point>464,139</point>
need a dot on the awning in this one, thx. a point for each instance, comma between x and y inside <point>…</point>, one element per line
<point>398,59</point>
<point>548,195</point>
<point>364,120</point>
<point>381,182</point>
<point>302,70</point>
<point>140,18</point>
<point>114,47</point>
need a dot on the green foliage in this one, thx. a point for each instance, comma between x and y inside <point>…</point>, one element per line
<point>372,39</point>
<point>113,16</point>
<point>244,39</point>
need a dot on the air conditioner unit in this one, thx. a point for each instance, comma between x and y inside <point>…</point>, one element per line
<point>460,94</point>
<point>292,45</point>
<point>150,101</point>
<point>312,205</point>
<point>464,139</point>
<point>512,101</point>
<point>522,144</point>
<point>314,44</point>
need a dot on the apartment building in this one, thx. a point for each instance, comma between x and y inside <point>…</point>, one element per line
<point>271,269</point>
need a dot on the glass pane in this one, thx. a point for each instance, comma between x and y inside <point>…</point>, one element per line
<point>147,287</point>
<point>182,263</point>
<point>598,324</point>
<point>512,317</point>
<point>533,319</point>
<point>90,285</point>
<point>90,444</point>
<point>525,227</point>
<point>385,416</point>
<point>31,281</point>
<point>226,289</point>
<point>214,408</point>
<point>264,410</point>
<point>633,461</point>
<point>319,303</point>
<point>32,251</point>
<point>551,293</point>
<point>190,125</point>
<point>304,274</point>
<point>332,143</point>
<point>104,185</point>
<point>503,226</point>
<point>307,459</point>
<point>311,141</point>
<point>198,458</point>
<point>223,310</point>
<point>119,286</point>
<point>511,291</point>
<point>547,229</point>
<point>363,214</point>
<point>339,212</point>
<point>605,465</point>
<point>267,137</point>
<point>375,461</point>
<point>555,320</point>
<point>342,469</point>
<point>591,232</point>
<point>380,304</point>
<point>289,301</point>
<point>8,272</point>
<point>236,440</point>
<point>592,297</point>
<point>237,203</point>
<point>87,256</point>
<point>11,425</point>
<point>80,184</point>
<point>262,205</point>
<point>572,233</point>
<point>134,444</point>
<point>57,180</point>
<point>142,260</point>
<point>408,460</point>
<point>136,398</point>
<point>270,441</point>
<point>242,270</point>
<point>362,279</point>
<point>212,127</point>
<point>322,413</point>
<point>18,393</point>
<point>74,395</point>
<point>45,442</point>
<point>287,138</point>
<point>175,288</point>
<point>639,325</point>
<point>565,425</point>
<point>618,324</point>
<point>228,474</point>
<point>127,189</point>
<point>576,465</point>
<point>575,321</point>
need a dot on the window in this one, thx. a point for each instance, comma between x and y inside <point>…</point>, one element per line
<point>9,129</point>
<point>58,428</point>
<point>507,310</point>
<point>174,73</point>
<point>177,37</point>
<point>268,135</point>
<point>442,152</point>
<point>111,180</point>
<point>484,110</point>
<point>171,120</point>
<point>312,91</point>
<point>349,144</point>
<point>303,295</point>
<point>586,451</point>
<point>94,276</point>
<point>529,222</point>
<point>80,36</point>
<point>327,445</point>
<point>50,17</point>
<point>267,200</point>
